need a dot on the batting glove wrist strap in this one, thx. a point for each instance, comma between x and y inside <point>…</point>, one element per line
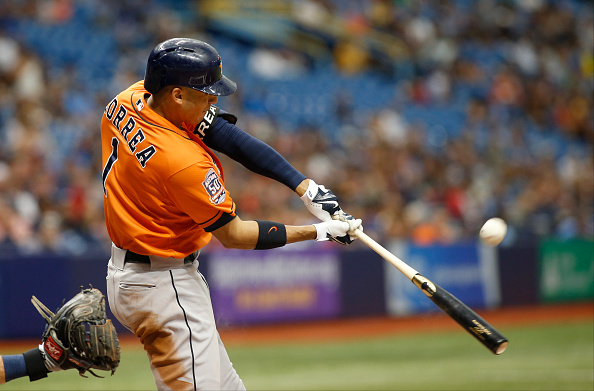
<point>320,201</point>
<point>321,232</point>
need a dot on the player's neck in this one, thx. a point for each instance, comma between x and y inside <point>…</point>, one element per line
<point>154,105</point>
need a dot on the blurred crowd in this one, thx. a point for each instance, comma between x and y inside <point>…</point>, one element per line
<point>521,73</point>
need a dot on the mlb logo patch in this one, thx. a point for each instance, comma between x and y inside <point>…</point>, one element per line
<point>214,188</point>
<point>139,104</point>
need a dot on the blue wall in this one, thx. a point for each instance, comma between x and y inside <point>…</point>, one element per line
<point>51,278</point>
<point>366,281</point>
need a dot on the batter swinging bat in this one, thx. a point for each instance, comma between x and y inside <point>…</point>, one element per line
<point>460,312</point>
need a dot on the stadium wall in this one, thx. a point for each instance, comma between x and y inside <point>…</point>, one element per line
<point>307,282</point>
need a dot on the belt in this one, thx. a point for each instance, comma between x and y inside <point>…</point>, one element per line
<point>132,257</point>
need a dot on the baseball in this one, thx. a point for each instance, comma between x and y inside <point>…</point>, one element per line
<point>493,231</point>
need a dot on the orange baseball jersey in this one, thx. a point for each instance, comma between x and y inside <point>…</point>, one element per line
<point>163,191</point>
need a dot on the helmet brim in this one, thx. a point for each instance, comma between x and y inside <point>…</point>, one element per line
<point>222,87</point>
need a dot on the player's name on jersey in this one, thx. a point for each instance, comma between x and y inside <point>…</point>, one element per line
<point>117,118</point>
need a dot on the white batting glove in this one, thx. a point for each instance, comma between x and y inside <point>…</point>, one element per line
<point>320,201</point>
<point>337,230</point>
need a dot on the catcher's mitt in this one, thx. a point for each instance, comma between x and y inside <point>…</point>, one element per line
<point>79,336</point>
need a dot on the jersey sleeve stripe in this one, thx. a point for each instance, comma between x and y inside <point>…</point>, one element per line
<point>213,218</point>
<point>224,219</point>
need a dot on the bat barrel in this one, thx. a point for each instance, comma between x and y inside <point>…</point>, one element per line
<point>473,323</point>
<point>462,314</point>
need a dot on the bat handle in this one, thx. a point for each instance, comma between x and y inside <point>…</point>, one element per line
<point>405,269</point>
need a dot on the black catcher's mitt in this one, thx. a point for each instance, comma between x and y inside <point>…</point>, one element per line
<point>79,335</point>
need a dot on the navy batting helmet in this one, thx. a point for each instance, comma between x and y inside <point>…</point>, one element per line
<point>187,62</point>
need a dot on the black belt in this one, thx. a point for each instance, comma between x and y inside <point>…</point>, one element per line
<point>132,257</point>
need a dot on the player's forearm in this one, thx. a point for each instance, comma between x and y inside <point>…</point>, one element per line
<point>249,235</point>
<point>31,363</point>
<point>300,233</point>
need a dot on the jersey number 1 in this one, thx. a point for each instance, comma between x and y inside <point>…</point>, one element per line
<point>112,159</point>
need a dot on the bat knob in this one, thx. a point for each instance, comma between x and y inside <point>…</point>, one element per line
<point>501,348</point>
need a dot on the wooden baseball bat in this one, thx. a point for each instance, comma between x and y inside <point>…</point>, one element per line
<point>460,312</point>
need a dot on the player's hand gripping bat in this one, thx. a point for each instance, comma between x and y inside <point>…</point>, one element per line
<point>460,312</point>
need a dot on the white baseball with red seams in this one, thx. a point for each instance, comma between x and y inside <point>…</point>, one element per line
<point>493,231</point>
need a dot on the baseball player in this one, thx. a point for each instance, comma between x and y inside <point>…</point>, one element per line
<point>165,197</point>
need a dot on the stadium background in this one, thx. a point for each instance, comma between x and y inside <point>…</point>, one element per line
<point>424,117</point>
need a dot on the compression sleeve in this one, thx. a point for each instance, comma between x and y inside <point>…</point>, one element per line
<point>252,153</point>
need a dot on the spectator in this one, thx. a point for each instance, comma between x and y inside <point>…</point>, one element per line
<point>486,111</point>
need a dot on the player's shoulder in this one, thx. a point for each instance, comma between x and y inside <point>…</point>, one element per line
<point>226,116</point>
<point>128,99</point>
<point>138,86</point>
<point>134,88</point>
<point>190,165</point>
<point>183,152</point>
